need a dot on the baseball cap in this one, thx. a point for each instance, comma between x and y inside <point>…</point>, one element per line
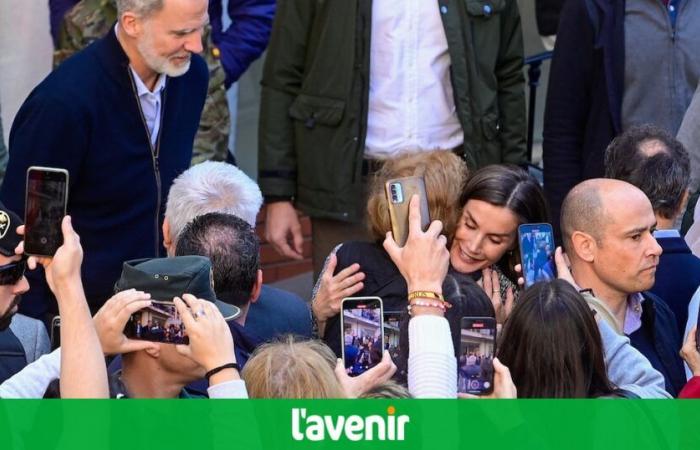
<point>165,278</point>
<point>9,239</point>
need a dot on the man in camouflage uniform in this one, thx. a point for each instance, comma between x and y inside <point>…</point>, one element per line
<point>89,20</point>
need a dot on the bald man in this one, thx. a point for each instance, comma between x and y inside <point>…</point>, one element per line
<point>607,229</point>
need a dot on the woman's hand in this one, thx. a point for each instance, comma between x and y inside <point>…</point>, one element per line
<point>356,386</point>
<point>424,260</point>
<point>503,386</point>
<point>334,288</point>
<point>689,352</point>
<point>491,284</point>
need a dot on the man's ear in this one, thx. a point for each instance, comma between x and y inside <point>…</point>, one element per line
<point>131,24</point>
<point>153,351</point>
<point>257,287</point>
<point>584,246</point>
<point>167,242</point>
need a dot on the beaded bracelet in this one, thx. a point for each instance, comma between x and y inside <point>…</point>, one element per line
<point>443,306</point>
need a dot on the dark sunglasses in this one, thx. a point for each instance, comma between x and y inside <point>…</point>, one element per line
<point>11,273</point>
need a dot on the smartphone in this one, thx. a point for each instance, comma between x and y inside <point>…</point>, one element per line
<point>159,322</point>
<point>55,332</point>
<point>44,208</point>
<point>476,352</point>
<point>392,332</point>
<point>362,325</point>
<point>398,193</point>
<point>536,242</point>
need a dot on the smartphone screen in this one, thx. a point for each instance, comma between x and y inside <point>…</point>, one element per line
<point>45,207</point>
<point>476,352</point>
<point>399,192</point>
<point>392,324</point>
<point>159,322</point>
<point>362,325</point>
<point>537,252</point>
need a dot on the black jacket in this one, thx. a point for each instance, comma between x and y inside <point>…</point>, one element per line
<point>584,98</point>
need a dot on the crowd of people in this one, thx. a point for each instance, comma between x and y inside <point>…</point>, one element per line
<point>353,96</point>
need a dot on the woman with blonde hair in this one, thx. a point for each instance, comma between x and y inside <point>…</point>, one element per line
<point>291,368</point>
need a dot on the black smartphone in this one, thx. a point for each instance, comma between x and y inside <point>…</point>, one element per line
<point>476,352</point>
<point>159,322</point>
<point>55,333</point>
<point>44,208</point>
<point>392,329</point>
<point>362,325</point>
<point>536,242</point>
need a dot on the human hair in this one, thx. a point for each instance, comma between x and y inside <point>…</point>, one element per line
<point>291,368</point>
<point>509,187</point>
<point>651,159</point>
<point>552,345</point>
<point>142,8</point>
<point>233,248</point>
<point>211,187</point>
<point>388,389</point>
<point>444,174</point>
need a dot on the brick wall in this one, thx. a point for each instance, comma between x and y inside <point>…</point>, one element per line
<point>277,267</point>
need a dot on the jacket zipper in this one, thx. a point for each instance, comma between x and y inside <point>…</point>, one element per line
<point>155,153</point>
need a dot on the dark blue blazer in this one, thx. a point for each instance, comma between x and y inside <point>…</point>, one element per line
<point>677,277</point>
<point>659,341</point>
<point>85,117</point>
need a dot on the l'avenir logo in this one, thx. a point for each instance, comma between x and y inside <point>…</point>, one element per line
<point>314,427</point>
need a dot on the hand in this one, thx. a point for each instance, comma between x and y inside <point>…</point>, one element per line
<point>563,266</point>
<point>503,386</point>
<point>111,319</point>
<point>424,260</point>
<point>354,387</point>
<point>491,284</point>
<point>64,266</point>
<point>211,343</point>
<point>281,224</point>
<point>689,353</point>
<point>334,288</point>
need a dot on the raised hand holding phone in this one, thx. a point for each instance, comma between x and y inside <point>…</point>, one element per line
<point>424,259</point>
<point>45,206</point>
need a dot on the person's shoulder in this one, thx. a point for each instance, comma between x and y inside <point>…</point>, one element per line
<point>22,324</point>
<point>198,72</point>
<point>279,295</point>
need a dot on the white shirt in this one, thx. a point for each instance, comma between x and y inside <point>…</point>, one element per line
<point>411,103</point>
<point>150,100</point>
<point>150,103</point>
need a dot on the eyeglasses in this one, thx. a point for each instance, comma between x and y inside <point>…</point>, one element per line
<point>11,273</point>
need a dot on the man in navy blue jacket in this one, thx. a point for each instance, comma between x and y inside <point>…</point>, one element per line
<point>121,117</point>
<point>651,159</point>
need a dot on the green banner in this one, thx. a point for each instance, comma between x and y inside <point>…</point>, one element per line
<point>349,424</point>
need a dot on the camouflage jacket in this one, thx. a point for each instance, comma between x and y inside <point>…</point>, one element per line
<point>89,20</point>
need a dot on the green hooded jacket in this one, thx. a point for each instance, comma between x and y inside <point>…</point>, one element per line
<point>315,94</point>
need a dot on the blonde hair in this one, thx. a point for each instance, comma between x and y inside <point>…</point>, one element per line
<point>388,389</point>
<point>290,368</point>
<point>444,173</point>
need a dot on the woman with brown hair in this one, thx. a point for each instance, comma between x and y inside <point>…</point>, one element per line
<point>552,345</point>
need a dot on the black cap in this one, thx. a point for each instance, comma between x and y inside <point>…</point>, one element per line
<point>165,278</point>
<point>9,239</point>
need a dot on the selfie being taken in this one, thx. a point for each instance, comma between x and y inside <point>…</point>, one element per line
<point>362,220</point>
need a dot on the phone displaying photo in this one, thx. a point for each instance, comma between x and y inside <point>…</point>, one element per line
<point>536,242</point>
<point>44,209</point>
<point>476,352</point>
<point>159,322</point>
<point>398,193</point>
<point>392,327</point>
<point>362,325</point>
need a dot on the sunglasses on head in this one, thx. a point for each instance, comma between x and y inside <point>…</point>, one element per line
<point>11,273</point>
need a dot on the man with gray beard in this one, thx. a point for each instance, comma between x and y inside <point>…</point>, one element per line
<point>121,117</point>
